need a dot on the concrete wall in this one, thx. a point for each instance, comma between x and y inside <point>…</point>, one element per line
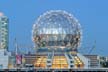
<point>3,59</point>
<point>4,62</point>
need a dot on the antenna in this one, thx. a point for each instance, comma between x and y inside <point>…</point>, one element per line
<point>16,46</point>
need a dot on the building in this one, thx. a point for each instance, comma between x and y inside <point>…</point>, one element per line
<point>57,37</point>
<point>3,41</point>
<point>103,61</point>
<point>94,61</point>
<point>3,32</point>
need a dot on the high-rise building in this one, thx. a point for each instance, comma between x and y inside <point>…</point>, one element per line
<point>3,31</point>
<point>3,41</point>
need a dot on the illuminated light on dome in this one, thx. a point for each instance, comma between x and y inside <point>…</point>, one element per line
<point>57,29</point>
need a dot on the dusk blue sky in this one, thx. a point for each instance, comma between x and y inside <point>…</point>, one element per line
<point>92,15</point>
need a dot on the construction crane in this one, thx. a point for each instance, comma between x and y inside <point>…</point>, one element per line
<point>94,46</point>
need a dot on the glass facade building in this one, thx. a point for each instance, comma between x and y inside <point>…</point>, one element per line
<point>3,32</point>
<point>57,29</point>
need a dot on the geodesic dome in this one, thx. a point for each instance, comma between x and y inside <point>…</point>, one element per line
<point>56,29</point>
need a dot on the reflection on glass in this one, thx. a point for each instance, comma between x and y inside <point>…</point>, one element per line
<point>57,29</point>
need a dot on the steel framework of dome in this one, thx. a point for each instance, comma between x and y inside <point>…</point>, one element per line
<point>57,29</point>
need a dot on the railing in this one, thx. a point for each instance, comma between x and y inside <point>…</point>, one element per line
<point>54,70</point>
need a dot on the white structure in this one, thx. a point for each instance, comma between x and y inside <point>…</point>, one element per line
<point>85,60</point>
<point>3,59</point>
<point>3,42</point>
<point>3,32</point>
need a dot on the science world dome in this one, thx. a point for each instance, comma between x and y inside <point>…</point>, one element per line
<point>57,29</point>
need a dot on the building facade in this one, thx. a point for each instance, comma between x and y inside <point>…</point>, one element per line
<point>3,41</point>
<point>94,61</point>
<point>3,31</point>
